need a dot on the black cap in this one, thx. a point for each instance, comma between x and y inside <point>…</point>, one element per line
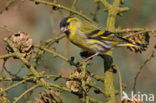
<point>64,23</point>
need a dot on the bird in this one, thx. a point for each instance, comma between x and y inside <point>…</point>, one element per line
<point>90,38</point>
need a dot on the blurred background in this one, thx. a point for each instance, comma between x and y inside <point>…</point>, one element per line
<point>42,23</point>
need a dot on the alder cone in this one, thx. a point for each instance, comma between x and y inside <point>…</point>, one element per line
<point>3,99</point>
<point>49,96</point>
<point>22,42</point>
<point>141,39</point>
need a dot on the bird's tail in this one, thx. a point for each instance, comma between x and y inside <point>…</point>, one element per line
<point>130,44</point>
<point>141,39</point>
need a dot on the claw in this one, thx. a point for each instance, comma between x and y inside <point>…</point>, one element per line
<point>90,57</point>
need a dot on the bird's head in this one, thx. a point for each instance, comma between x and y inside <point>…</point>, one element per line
<point>68,23</point>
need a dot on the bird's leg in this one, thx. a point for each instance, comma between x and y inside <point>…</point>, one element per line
<point>85,60</point>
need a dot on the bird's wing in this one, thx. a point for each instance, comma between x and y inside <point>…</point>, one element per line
<point>103,35</point>
<point>87,27</point>
<point>93,32</point>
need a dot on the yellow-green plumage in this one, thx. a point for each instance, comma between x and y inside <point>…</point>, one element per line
<point>89,37</point>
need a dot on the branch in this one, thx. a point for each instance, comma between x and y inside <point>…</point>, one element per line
<point>108,6</point>
<point>73,5</point>
<point>53,40</point>
<point>48,43</point>
<point>120,79</point>
<point>4,68</point>
<point>9,3</point>
<point>26,92</point>
<point>6,56</point>
<point>65,8</point>
<point>52,52</point>
<point>105,3</point>
<point>97,88</point>
<point>20,56</point>
<point>92,100</point>
<point>56,55</point>
<point>83,75</point>
<point>14,85</point>
<point>97,77</point>
<point>142,66</point>
<point>124,9</point>
<point>137,30</point>
<point>15,79</point>
<point>113,11</point>
<point>47,85</point>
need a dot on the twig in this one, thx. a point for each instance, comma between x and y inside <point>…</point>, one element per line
<point>4,27</point>
<point>53,40</point>
<point>65,8</point>
<point>135,30</point>
<point>30,79</point>
<point>52,52</point>
<point>48,43</point>
<point>105,3</point>
<point>56,55</point>
<point>97,77</point>
<point>6,56</point>
<point>142,66</point>
<point>14,85</point>
<point>94,14</point>
<point>96,87</point>
<point>4,67</point>
<point>48,84</point>
<point>25,92</point>
<point>120,79</point>
<point>115,5</point>
<point>73,5</point>
<point>20,68</point>
<point>9,3</point>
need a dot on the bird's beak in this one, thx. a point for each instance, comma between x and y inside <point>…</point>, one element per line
<point>63,29</point>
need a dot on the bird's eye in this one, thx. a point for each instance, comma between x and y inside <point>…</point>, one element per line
<point>67,24</point>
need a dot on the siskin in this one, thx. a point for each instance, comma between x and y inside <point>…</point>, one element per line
<point>90,38</point>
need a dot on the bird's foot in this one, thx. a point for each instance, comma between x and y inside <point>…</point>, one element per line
<point>90,57</point>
